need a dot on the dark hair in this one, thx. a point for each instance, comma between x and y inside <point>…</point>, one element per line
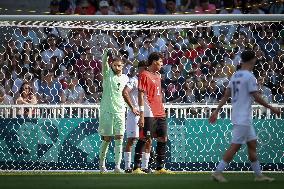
<point>247,55</point>
<point>154,56</point>
<point>128,4</point>
<point>142,63</point>
<point>22,88</point>
<point>117,59</point>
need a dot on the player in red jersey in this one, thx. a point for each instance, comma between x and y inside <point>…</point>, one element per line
<point>152,121</point>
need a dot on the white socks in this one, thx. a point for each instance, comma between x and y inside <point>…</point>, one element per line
<point>145,160</point>
<point>118,152</point>
<point>256,168</point>
<point>221,166</point>
<point>127,160</point>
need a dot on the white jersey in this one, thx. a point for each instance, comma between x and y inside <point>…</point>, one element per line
<point>133,86</point>
<point>242,84</point>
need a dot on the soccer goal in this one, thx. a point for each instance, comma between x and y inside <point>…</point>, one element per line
<point>201,52</point>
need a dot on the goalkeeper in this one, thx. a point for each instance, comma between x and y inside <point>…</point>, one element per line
<point>112,109</point>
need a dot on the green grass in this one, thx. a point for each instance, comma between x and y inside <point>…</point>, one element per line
<point>125,181</point>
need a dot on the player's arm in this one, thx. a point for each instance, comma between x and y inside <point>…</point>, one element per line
<point>141,108</point>
<point>105,66</point>
<point>257,98</point>
<point>142,88</point>
<point>254,91</point>
<point>125,93</point>
<point>223,101</point>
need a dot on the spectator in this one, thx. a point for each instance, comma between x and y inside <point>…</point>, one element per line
<point>28,54</point>
<point>205,8</point>
<point>171,6</point>
<point>213,93</point>
<point>233,58</point>
<point>104,9</point>
<point>151,7</point>
<point>77,43</point>
<point>52,50</point>
<point>265,91</point>
<point>189,94</point>
<point>172,57</point>
<point>67,6</point>
<point>11,51</point>
<point>27,96</point>
<point>50,90</point>
<point>54,7</point>
<point>22,34</point>
<point>86,7</point>
<point>91,86</point>
<point>5,80</point>
<point>228,30</point>
<point>146,49</point>
<point>161,41</point>
<point>37,67</point>
<point>127,8</point>
<point>187,5</point>
<point>126,52</point>
<point>74,94</point>
<point>5,100</point>
<point>87,60</point>
<point>220,76</point>
<point>24,77</point>
<point>255,7</point>
<point>70,57</point>
<point>269,44</point>
<point>276,8</point>
<point>14,67</point>
<point>54,66</point>
<point>279,97</point>
<point>173,86</point>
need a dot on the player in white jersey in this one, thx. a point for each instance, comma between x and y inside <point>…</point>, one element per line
<point>243,90</point>
<point>130,94</point>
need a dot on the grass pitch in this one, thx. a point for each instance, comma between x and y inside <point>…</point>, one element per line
<point>81,180</point>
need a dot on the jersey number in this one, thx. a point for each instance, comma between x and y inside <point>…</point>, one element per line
<point>236,90</point>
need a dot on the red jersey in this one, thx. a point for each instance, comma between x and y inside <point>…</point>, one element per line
<point>150,84</point>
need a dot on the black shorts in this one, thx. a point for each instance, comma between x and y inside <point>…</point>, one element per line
<point>154,127</point>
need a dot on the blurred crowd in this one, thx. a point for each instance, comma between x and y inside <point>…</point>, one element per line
<point>63,65</point>
<point>127,7</point>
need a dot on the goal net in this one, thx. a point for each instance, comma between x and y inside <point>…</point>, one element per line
<point>58,59</point>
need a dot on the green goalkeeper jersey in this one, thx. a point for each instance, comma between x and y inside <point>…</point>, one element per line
<point>112,99</point>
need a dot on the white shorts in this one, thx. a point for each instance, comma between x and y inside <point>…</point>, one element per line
<point>132,129</point>
<point>243,134</point>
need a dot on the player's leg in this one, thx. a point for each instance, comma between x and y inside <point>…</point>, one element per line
<point>146,157</point>
<point>119,129</point>
<point>105,130</point>
<point>252,155</point>
<point>127,154</point>
<point>140,146</point>
<point>132,134</point>
<point>160,130</point>
<point>238,138</point>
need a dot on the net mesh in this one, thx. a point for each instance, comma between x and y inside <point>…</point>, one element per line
<point>199,58</point>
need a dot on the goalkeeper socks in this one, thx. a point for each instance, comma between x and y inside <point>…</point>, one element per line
<point>118,152</point>
<point>138,153</point>
<point>256,168</point>
<point>103,152</point>
<point>161,154</point>
<point>127,160</point>
<point>221,166</point>
<point>145,160</point>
